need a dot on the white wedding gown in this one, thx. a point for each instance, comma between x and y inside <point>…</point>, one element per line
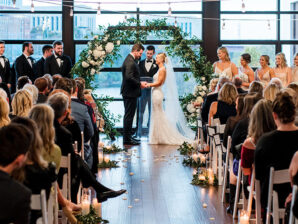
<point>162,130</point>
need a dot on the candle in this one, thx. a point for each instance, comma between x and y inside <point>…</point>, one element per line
<point>100,157</point>
<point>195,157</point>
<point>97,207</point>
<point>106,159</point>
<point>201,177</point>
<point>211,179</point>
<point>85,207</point>
<point>194,172</point>
<point>244,219</point>
<point>203,159</point>
<point>109,147</point>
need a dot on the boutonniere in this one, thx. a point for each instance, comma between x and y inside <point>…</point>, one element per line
<point>62,62</point>
<point>5,59</point>
<point>154,65</point>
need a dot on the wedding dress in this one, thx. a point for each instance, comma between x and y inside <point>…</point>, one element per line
<point>168,126</point>
<point>227,72</point>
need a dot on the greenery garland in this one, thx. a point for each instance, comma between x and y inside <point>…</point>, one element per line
<point>110,164</point>
<point>112,149</point>
<point>203,178</point>
<point>105,47</point>
<point>189,161</point>
<point>186,149</point>
<point>90,218</point>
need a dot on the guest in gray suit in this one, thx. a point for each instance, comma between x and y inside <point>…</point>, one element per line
<point>79,112</point>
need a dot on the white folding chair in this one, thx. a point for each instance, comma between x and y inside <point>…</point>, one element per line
<point>66,184</point>
<point>258,202</point>
<point>38,202</point>
<point>238,202</point>
<point>80,191</point>
<point>53,205</point>
<point>276,177</point>
<point>294,193</point>
<point>226,170</point>
<point>82,146</point>
<point>251,192</point>
<point>200,132</point>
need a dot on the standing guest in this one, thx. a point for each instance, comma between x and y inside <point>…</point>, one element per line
<point>15,197</point>
<point>224,67</point>
<point>42,86</point>
<point>21,103</point>
<point>5,74</point>
<point>131,90</point>
<point>47,51</point>
<point>282,71</point>
<point>58,63</point>
<point>148,68</point>
<point>24,63</point>
<point>265,73</point>
<point>245,71</point>
<point>270,92</point>
<point>295,69</point>
<point>276,148</point>
<point>4,112</point>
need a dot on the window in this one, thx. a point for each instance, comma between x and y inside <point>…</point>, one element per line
<point>250,5</point>
<point>290,51</point>
<point>289,27</point>
<point>25,5</point>
<point>289,5</point>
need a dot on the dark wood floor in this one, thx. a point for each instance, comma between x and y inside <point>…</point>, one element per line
<point>159,191</point>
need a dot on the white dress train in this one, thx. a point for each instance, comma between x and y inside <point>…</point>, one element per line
<point>162,131</point>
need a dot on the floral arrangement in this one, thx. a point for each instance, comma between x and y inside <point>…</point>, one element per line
<point>112,149</point>
<point>204,177</point>
<point>186,149</point>
<point>109,164</point>
<point>90,218</point>
<point>191,162</point>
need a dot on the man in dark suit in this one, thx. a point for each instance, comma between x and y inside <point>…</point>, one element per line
<point>47,51</point>
<point>58,63</point>
<point>23,65</point>
<point>131,90</point>
<point>15,197</point>
<point>238,83</point>
<point>148,68</point>
<point>4,66</point>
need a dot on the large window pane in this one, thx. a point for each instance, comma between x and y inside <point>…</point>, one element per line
<point>117,108</point>
<point>26,5</point>
<point>108,83</point>
<point>248,27</point>
<point>81,5</point>
<point>191,24</point>
<point>290,51</point>
<point>255,51</point>
<point>250,5</point>
<point>84,24</point>
<point>148,5</point>
<point>289,5</point>
<point>289,25</point>
<point>30,27</point>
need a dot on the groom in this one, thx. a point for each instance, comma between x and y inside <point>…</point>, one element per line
<point>131,90</point>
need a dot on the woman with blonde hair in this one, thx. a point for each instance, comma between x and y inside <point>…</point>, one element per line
<point>21,103</point>
<point>264,74</point>
<point>43,115</point>
<point>225,106</point>
<point>33,90</point>
<point>282,71</point>
<point>224,66</point>
<point>4,112</point>
<point>270,92</point>
<point>295,69</point>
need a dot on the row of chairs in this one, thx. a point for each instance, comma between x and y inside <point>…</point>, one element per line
<point>222,167</point>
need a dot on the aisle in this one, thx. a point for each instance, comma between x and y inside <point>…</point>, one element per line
<point>159,191</point>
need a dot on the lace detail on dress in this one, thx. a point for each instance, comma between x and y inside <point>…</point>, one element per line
<point>227,72</point>
<point>283,78</point>
<point>265,78</point>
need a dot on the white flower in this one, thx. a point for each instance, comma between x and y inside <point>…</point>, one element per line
<point>92,62</point>
<point>191,108</point>
<point>202,93</point>
<point>199,100</point>
<point>203,78</point>
<point>103,53</point>
<point>204,88</point>
<point>200,88</point>
<point>89,52</point>
<point>99,48</point>
<point>106,38</point>
<point>85,64</point>
<point>96,54</point>
<point>92,72</point>
<point>118,42</point>
<point>109,47</point>
<point>95,37</point>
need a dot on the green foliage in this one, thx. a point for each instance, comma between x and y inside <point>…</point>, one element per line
<point>185,149</point>
<point>189,161</point>
<point>91,218</point>
<point>114,149</point>
<point>110,164</point>
<point>205,182</point>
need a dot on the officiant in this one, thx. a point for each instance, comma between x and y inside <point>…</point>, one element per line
<point>148,68</point>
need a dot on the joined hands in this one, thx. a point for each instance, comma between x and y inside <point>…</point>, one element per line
<point>145,85</point>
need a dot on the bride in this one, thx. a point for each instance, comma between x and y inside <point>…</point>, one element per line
<point>167,126</point>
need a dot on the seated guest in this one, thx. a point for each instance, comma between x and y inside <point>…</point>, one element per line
<point>65,84</point>
<point>270,92</point>
<point>15,197</point>
<point>34,92</point>
<point>38,174</point>
<point>212,85</point>
<point>277,82</point>
<point>225,107</point>
<point>256,87</point>
<point>4,112</point>
<point>232,121</point>
<point>276,148</point>
<point>260,122</point>
<point>211,98</point>
<point>22,81</point>
<point>50,83</point>
<point>56,78</point>
<point>21,103</point>
<point>294,86</point>
<point>3,94</point>
<point>238,83</point>
<point>4,88</point>
<point>80,171</point>
<point>42,86</point>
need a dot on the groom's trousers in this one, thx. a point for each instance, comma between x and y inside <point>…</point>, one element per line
<point>130,106</point>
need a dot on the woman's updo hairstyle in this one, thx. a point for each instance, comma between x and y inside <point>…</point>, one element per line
<point>284,107</point>
<point>267,58</point>
<point>246,57</point>
<point>163,56</point>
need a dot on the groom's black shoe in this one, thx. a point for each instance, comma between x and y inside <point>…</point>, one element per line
<point>135,139</point>
<point>130,142</point>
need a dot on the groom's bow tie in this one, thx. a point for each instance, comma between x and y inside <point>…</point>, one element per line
<point>149,61</point>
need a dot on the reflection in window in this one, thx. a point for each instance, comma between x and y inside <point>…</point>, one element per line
<point>289,26</point>
<point>248,27</point>
<point>255,51</point>
<point>288,5</point>
<point>23,27</point>
<point>290,51</point>
<point>26,5</point>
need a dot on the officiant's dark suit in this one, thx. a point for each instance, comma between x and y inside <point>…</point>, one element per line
<point>148,69</point>
<point>130,90</point>
<point>52,67</point>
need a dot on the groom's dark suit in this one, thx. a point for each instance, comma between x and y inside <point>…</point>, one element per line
<point>130,90</point>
